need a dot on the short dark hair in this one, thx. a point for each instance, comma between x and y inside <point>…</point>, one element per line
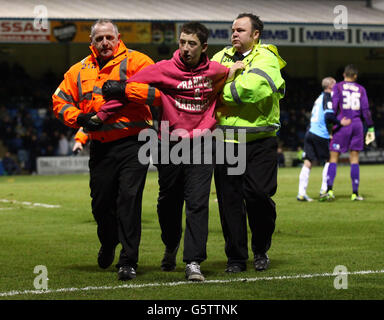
<point>350,71</point>
<point>257,24</point>
<point>197,28</point>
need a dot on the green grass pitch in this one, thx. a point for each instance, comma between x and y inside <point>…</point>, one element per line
<point>310,240</point>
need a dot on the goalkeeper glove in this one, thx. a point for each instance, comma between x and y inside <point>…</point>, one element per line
<point>370,136</point>
<point>113,89</point>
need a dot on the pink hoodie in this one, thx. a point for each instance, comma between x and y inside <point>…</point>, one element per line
<point>188,96</point>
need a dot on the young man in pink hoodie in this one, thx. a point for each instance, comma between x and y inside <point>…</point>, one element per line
<point>187,87</point>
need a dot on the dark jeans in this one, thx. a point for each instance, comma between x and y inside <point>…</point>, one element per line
<point>117,181</point>
<point>189,183</point>
<point>249,195</point>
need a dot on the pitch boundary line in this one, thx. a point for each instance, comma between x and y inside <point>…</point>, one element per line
<point>178,283</point>
<point>31,204</point>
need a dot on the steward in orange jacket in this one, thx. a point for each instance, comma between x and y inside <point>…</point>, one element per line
<point>80,92</point>
<point>117,177</point>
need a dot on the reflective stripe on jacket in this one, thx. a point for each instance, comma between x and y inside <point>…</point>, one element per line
<point>251,100</point>
<point>80,91</point>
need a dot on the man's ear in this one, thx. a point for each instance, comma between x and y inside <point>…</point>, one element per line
<point>256,35</point>
<point>204,47</point>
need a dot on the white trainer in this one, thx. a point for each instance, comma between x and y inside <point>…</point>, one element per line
<point>304,198</point>
<point>193,273</point>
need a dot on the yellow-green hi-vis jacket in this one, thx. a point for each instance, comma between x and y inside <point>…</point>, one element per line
<point>250,100</point>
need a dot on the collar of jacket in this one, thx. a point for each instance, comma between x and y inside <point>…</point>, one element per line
<point>230,51</point>
<point>121,50</point>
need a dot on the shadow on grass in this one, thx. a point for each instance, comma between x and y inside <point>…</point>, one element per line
<point>91,268</point>
<point>211,270</point>
<point>217,268</point>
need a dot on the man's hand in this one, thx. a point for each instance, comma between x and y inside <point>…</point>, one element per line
<point>370,136</point>
<point>113,89</point>
<point>345,122</point>
<point>77,147</point>
<point>84,120</point>
<point>238,65</point>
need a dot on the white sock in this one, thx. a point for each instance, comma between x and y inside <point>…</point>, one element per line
<point>324,182</point>
<point>303,180</point>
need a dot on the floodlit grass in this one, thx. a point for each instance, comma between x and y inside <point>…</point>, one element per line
<point>310,239</point>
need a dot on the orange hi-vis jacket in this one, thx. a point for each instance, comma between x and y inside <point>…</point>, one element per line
<point>80,92</point>
<point>81,136</point>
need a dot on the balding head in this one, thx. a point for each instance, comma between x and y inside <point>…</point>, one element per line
<point>105,38</point>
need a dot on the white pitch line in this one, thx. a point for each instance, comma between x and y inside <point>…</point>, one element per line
<point>172,284</point>
<point>31,204</point>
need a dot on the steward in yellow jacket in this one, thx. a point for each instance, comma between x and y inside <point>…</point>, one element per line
<point>249,103</point>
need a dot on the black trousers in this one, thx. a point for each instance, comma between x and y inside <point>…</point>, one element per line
<point>117,180</point>
<point>189,183</point>
<point>248,194</point>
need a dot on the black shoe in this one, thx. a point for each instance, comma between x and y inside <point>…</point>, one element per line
<point>169,260</point>
<point>261,262</point>
<point>126,273</point>
<point>235,268</point>
<point>105,257</point>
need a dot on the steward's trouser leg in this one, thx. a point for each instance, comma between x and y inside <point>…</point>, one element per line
<point>103,193</point>
<point>232,214</point>
<point>117,183</point>
<point>248,194</point>
<point>259,185</point>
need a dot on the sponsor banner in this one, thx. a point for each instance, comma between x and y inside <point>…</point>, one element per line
<point>219,33</point>
<point>69,165</point>
<point>370,37</point>
<point>278,34</point>
<point>62,165</point>
<point>324,35</point>
<point>23,31</point>
<point>79,31</point>
<point>303,35</point>
<point>163,33</point>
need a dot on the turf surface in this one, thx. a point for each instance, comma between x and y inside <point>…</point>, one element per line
<point>310,240</point>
